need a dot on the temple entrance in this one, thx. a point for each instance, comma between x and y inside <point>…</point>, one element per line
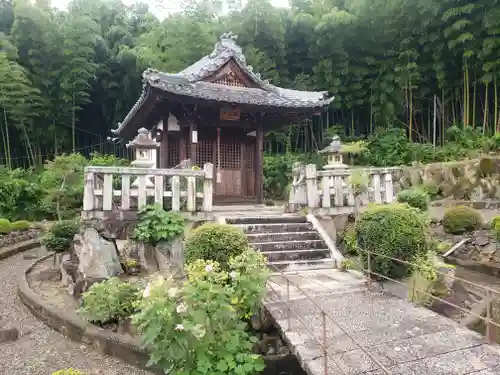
<point>231,151</point>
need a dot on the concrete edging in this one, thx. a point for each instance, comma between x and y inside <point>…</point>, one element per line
<point>18,248</point>
<point>103,341</point>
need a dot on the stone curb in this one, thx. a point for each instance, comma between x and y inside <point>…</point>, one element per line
<point>19,247</point>
<point>488,269</point>
<point>103,341</point>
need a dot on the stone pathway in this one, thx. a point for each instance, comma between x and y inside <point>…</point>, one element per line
<point>403,338</point>
<point>40,350</point>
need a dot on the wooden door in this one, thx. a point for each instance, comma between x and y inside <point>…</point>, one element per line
<point>234,161</point>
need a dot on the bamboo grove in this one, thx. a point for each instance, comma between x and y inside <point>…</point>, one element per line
<point>68,76</point>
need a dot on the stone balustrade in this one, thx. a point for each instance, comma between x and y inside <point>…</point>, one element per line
<point>125,189</point>
<point>329,192</point>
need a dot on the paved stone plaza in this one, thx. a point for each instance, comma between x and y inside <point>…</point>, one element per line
<point>403,338</point>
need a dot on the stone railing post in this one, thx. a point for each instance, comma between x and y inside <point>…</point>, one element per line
<point>389,188</point>
<point>208,168</point>
<point>311,186</point>
<point>88,192</point>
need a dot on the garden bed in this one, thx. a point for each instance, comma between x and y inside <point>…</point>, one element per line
<point>18,236</point>
<point>50,302</point>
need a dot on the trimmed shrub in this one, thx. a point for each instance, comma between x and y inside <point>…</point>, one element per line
<point>217,242</point>
<point>494,221</point>
<point>431,188</point>
<point>461,219</point>
<point>21,225</point>
<point>5,226</point>
<point>415,197</point>
<point>393,230</point>
<point>65,229</point>
<point>60,236</point>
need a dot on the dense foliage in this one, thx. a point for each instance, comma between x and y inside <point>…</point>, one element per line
<point>217,242</point>
<point>391,231</point>
<point>415,197</point>
<point>67,77</point>
<point>461,219</point>
<point>111,300</point>
<point>156,225</point>
<point>198,328</point>
<point>56,191</point>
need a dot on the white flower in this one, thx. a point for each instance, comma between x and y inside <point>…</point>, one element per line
<point>181,308</point>
<point>179,327</point>
<point>147,290</point>
<point>199,331</point>
<point>233,275</point>
<point>172,292</point>
<point>209,268</point>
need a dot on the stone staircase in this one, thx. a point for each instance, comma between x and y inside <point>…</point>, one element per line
<point>289,242</point>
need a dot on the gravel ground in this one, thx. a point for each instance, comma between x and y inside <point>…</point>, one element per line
<point>40,350</point>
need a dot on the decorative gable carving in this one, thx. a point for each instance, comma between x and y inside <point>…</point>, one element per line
<point>230,79</point>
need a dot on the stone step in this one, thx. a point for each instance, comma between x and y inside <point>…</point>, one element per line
<point>288,236</point>
<point>275,228</point>
<point>293,255</point>
<point>289,245</point>
<point>300,265</point>
<point>275,219</point>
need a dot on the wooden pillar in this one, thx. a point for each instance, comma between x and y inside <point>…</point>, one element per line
<point>163,152</point>
<point>259,162</point>
<point>192,128</point>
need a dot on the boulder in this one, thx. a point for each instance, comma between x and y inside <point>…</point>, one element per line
<point>98,257</point>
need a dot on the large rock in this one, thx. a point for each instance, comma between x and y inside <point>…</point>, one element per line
<point>98,257</point>
<point>170,258</point>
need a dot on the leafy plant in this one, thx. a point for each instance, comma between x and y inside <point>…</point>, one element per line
<point>461,219</point>
<point>69,371</point>
<point>346,265</point>
<point>21,225</point>
<point>423,278</point>
<point>415,197</point>
<point>5,226</point>
<point>496,231</point>
<point>111,300</point>
<point>196,329</point>
<point>217,242</point>
<point>393,231</point>
<point>155,225</point>
<point>431,188</point>
<point>349,240</point>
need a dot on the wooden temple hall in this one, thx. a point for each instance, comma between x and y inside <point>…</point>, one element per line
<point>217,111</point>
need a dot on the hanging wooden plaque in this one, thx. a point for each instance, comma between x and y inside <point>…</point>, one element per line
<point>230,114</point>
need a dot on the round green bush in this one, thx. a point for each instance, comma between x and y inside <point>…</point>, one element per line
<point>494,221</point>
<point>5,226</point>
<point>217,242</point>
<point>461,219</point>
<point>393,230</point>
<point>415,197</point>
<point>56,244</point>
<point>65,229</point>
<point>21,225</point>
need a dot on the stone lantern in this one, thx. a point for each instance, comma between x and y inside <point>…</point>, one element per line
<point>145,152</point>
<point>334,154</point>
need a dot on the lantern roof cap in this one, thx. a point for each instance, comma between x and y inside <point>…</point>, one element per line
<point>143,140</point>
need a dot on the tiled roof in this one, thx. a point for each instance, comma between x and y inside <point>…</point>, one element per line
<point>189,82</point>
